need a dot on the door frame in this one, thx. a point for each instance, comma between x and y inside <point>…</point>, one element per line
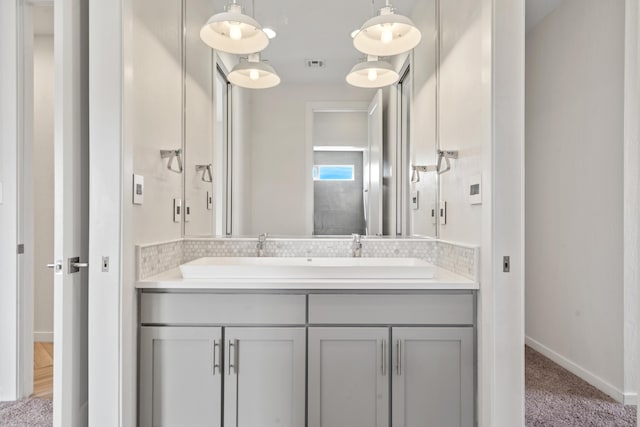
<point>311,109</point>
<point>26,225</point>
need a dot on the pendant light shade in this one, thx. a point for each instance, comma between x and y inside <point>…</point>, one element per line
<point>254,74</point>
<point>372,73</point>
<point>387,34</point>
<point>234,32</point>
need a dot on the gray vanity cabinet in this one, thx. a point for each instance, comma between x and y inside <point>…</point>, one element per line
<point>348,377</point>
<point>264,377</point>
<point>432,377</point>
<point>180,376</point>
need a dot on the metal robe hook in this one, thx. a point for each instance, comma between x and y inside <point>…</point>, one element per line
<point>207,174</point>
<point>171,155</point>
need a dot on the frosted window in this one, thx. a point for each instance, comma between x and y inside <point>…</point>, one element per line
<point>333,173</point>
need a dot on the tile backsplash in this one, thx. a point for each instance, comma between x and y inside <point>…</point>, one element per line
<point>156,258</point>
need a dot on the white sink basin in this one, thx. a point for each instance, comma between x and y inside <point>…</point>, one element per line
<point>307,268</point>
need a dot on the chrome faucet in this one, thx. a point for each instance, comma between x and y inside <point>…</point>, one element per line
<point>356,246</point>
<point>260,247</point>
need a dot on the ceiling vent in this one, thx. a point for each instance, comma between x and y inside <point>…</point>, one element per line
<point>314,63</point>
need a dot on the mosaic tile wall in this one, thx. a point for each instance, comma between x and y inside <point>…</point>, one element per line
<point>156,258</point>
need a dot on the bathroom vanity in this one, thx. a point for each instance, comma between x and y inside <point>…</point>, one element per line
<point>308,351</point>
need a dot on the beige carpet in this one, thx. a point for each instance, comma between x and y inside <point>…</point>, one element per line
<point>26,413</point>
<point>557,398</point>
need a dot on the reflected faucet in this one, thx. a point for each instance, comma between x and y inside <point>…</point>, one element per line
<point>356,246</point>
<point>260,247</point>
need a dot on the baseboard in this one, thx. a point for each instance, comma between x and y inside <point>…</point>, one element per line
<point>579,371</point>
<point>43,337</point>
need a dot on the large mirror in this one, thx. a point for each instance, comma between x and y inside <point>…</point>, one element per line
<point>313,155</point>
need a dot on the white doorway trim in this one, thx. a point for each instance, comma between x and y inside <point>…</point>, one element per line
<point>312,108</point>
<point>9,297</point>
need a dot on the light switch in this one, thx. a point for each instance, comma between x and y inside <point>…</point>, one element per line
<point>177,210</point>
<point>414,200</point>
<point>138,189</point>
<point>209,201</point>
<point>475,190</point>
<point>443,212</point>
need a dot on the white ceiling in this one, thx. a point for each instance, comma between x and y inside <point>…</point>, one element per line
<point>537,10</point>
<point>309,29</point>
<point>43,20</point>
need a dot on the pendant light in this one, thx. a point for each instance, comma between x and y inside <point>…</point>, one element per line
<point>372,73</point>
<point>234,32</point>
<point>387,34</point>
<point>254,74</point>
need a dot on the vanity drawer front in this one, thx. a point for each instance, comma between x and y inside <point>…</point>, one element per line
<point>253,309</point>
<point>416,309</point>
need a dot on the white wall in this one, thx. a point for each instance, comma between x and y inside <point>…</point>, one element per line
<point>278,149</point>
<point>574,189</point>
<point>42,170</point>
<point>340,129</point>
<point>462,124</point>
<point>156,114</point>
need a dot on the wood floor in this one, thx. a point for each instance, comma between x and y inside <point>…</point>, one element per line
<point>43,370</point>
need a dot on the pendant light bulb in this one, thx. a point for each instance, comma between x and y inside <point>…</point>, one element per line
<point>373,75</point>
<point>386,35</point>
<point>254,75</point>
<point>235,32</point>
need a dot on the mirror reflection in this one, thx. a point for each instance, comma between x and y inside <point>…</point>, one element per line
<point>312,155</point>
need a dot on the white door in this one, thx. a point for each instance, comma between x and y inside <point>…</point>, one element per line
<point>373,192</point>
<point>71,223</point>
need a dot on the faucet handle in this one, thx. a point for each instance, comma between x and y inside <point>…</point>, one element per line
<point>262,237</point>
<point>356,237</point>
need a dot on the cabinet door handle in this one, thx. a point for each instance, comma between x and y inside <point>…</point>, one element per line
<point>399,357</point>
<point>216,357</point>
<point>384,357</point>
<point>233,356</point>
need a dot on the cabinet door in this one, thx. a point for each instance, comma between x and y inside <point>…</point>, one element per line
<point>348,377</point>
<point>264,377</point>
<point>433,377</point>
<point>180,376</point>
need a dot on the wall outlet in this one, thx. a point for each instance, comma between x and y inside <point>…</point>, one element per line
<point>138,189</point>
<point>177,210</point>
<point>443,212</point>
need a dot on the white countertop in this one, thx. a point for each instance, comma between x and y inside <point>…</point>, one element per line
<point>443,280</point>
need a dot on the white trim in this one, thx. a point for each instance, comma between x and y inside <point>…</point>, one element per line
<point>631,197</point>
<point>581,372</point>
<point>112,374</point>
<point>43,336</point>
<point>8,206</point>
